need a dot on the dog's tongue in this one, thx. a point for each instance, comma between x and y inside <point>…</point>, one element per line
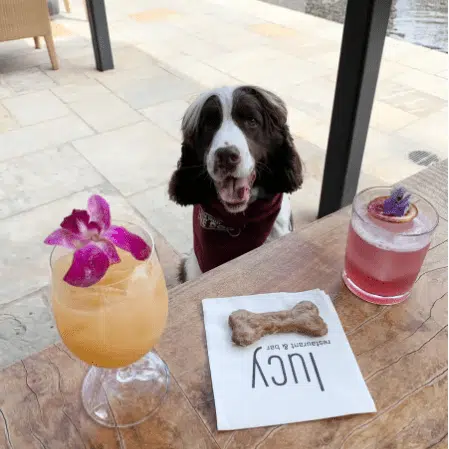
<point>235,190</point>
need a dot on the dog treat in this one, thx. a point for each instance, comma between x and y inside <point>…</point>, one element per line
<point>304,318</point>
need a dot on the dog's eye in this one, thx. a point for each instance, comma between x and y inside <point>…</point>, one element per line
<point>251,122</point>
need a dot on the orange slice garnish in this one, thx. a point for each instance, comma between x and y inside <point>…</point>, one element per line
<point>376,210</point>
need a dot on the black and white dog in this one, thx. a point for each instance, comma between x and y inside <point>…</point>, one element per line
<point>237,161</point>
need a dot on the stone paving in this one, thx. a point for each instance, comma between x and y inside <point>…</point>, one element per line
<point>65,134</point>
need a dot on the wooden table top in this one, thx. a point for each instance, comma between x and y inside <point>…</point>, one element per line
<point>401,351</point>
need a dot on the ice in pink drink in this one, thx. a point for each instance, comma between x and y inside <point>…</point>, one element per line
<point>383,260</point>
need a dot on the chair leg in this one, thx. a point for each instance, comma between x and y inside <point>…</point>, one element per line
<point>51,51</point>
<point>37,43</point>
<point>67,5</point>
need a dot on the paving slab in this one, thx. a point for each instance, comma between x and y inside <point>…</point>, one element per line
<point>36,107</point>
<point>133,158</point>
<point>42,177</point>
<point>173,221</point>
<point>104,111</point>
<point>28,139</point>
<point>26,327</point>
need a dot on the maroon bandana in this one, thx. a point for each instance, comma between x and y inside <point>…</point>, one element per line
<point>219,236</point>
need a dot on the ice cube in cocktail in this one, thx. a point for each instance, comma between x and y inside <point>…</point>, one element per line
<point>385,253</point>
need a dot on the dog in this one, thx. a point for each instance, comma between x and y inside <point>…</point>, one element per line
<point>238,161</point>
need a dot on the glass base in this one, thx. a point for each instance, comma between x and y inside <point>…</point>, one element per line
<point>126,396</point>
<point>370,297</point>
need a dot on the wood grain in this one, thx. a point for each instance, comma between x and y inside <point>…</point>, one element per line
<point>401,350</point>
<point>40,408</point>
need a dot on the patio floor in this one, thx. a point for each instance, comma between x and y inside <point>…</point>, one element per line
<point>65,134</point>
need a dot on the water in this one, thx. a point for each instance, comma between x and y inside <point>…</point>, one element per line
<point>421,22</point>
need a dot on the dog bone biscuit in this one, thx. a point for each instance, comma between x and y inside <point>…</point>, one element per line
<point>304,318</point>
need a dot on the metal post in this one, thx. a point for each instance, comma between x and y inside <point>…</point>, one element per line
<point>364,34</point>
<point>98,23</point>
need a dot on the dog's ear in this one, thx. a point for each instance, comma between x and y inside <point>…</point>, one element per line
<point>283,172</point>
<point>189,184</point>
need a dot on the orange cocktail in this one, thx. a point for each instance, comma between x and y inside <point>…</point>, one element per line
<point>110,303</point>
<point>118,320</point>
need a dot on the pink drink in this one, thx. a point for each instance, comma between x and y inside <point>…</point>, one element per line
<point>381,271</point>
<point>384,259</point>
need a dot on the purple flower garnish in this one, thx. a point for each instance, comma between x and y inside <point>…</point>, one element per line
<point>90,233</point>
<point>398,203</point>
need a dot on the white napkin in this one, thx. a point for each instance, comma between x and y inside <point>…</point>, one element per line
<point>251,389</point>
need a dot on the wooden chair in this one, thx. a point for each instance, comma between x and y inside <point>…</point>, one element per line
<point>20,19</point>
<point>67,6</point>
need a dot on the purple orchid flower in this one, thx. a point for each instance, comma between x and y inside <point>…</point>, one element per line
<point>94,239</point>
<point>398,203</point>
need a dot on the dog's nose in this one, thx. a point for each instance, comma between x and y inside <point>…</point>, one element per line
<point>227,158</point>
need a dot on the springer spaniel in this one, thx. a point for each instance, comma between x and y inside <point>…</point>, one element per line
<point>237,161</point>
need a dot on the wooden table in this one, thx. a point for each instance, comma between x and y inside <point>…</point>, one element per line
<point>401,350</point>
